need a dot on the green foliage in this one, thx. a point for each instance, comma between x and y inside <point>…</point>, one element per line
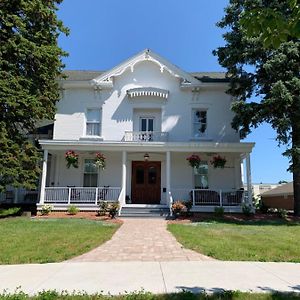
<point>219,211</point>
<point>270,74</point>
<point>10,212</point>
<point>247,209</point>
<point>103,208</point>
<point>73,210</point>
<point>46,209</point>
<point>29,66</point>
<point>113,209</point>
<point>282,213</point>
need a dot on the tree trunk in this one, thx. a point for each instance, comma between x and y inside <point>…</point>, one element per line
<point>296,178</point>
<point>296,165</point>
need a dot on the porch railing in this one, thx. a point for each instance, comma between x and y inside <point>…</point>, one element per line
<point>81,195</point>
<point>209,197</point>
<point>145,136</point>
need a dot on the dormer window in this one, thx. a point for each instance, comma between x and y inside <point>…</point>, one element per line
<point>93,117</point>
<point>199,123</point>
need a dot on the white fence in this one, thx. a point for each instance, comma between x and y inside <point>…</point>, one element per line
<point>145,136</point>
<point>206,197</point>
<point>81,195</point>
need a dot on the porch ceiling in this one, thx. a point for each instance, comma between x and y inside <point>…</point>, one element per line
<point>211,147</point>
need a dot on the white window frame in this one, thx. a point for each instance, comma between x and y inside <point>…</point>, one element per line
<point>194,123</point>
<point>147,125</point>
<point>93,122</point>
<point>84,172</point>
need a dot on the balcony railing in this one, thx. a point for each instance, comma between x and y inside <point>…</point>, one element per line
<point>145,136</point>
<point>81,195</point>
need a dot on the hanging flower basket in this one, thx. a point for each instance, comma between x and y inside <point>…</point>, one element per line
<point>218,161</point>
<point>100,160</point>
<point>194,160</point>
<point>72,159</point>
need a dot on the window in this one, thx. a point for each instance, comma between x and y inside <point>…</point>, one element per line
<point>90,177</point>
<point>201,176</point>
<point>146,124</point>
<point>93,122</point>
<point>199,123</point>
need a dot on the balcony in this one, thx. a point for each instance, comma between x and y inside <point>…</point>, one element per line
<point>145,136</point>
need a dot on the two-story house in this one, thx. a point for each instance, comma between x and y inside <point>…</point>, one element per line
<point>146,116</point>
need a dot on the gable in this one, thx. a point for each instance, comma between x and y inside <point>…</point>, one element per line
<point>107,79</point>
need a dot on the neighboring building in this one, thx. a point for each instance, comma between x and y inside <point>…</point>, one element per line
<point>260,188</point>
<point>280,197</point>
<point>146,116</point>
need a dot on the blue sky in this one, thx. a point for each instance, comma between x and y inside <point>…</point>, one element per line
<point>104,33</point>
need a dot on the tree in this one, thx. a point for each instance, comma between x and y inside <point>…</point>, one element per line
<point>271,74</point>
<point>272,25</point>
<point>30,62</point>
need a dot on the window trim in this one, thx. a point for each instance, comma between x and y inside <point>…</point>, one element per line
<point>93,122</point>
<point>147,118</point>
<point>194,175</point>
<point>204,134</point>
<point>83,171</point>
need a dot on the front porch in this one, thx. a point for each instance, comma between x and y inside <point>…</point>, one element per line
<point>144,175</point>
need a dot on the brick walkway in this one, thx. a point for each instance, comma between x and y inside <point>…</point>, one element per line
<point>141,240</point>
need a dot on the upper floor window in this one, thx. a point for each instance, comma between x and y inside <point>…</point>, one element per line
<point>199,123</point>
<point>93,121</point>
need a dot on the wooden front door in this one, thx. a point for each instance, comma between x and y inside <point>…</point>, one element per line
<point>145,182</point>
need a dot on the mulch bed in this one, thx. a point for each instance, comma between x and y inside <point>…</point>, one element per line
<point>198,217</point>
<point>79,215</point>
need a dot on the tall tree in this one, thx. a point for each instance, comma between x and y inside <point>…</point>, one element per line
<point>271,74</point>
<point>30,62</point>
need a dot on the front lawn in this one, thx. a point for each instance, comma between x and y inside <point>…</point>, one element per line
<point>24,240</point>
<point>246,241</point>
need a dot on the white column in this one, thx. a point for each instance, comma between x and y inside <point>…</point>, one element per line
<point>123,189</point>
<point>57,166</point>
<point>248,174</point>
<point>168,173</point>
<point>44,174</point>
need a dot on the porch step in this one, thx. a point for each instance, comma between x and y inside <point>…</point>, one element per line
<point>145,212</point>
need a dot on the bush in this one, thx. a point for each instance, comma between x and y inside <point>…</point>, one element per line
<point>219,211</point>
<point>188,204</point>
<point>113,209</point>
<point>103,208</point>
<point>72,210</point>
<point>282,213</point>
<point>177,207</point>
<point>247,209</point>
<point>46,209</point>
<point>10,212</point>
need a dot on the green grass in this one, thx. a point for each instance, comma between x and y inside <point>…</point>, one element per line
<point>24,240</point>
<point>245,241</point>
<point>229,295</point>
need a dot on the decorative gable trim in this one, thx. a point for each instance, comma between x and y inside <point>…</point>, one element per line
<point>148,92</point>
<point>106,79</point>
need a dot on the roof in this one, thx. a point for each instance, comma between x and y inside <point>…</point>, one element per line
<point>284,189</point>
<point>86,75</point>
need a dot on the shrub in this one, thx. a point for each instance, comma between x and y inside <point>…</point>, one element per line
<point>188,204</point>
<point>46,209</point>
<point>10,212</point>
<point>282,213</point>
<point>113,209</point>
<point>178,207</point>
<point>219,211</point>
<point>247,209</point>
<point>72,210</point>
<point>103,208</point>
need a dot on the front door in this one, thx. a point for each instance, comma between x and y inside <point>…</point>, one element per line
<point>145,182</point>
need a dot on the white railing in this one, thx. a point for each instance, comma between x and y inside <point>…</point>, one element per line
<point>145,136</point>
<point>81,195</point>
<point>208,197</point>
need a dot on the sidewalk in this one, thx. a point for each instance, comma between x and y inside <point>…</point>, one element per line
<point>156,277</point>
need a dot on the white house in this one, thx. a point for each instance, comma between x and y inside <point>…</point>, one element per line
<point>146,116</point>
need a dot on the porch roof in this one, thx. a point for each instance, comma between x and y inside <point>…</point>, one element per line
<point>212,147</point>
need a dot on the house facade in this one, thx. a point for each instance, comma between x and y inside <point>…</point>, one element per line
<point>146,117</point>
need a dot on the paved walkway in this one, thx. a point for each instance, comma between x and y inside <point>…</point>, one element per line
<point>141,240</point>
<point>155,277</point>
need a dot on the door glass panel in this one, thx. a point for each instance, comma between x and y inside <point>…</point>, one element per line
<point>152,175</point>
<point>150,124</point>
<point>139,175</point>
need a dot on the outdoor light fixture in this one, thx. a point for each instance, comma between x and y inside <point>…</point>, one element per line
<point>146,157</point>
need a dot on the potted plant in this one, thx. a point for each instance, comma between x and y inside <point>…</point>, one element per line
<point>218,161</point>
<point>177,208</point>
<point>100,160</point>
<point>194,160</point>
<point>71,158</point>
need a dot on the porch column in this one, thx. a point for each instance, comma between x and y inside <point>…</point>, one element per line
<point>123,189</point>
<point>43,179</point>
<point>168,173</point>
<point>248,174</point>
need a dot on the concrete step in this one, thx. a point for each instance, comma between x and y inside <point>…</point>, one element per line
<point>145,212</point>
